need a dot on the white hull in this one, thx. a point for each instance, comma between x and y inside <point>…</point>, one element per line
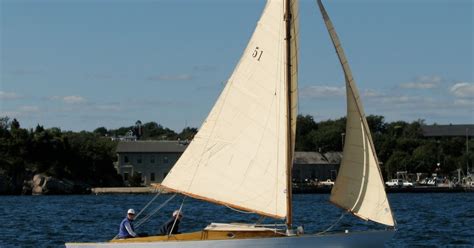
<point>356,239</point>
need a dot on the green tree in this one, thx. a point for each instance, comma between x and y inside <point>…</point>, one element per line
<point>102,131</point>
<point>187,133</point>
<point>135,180</point>
<point>398,161</point>
<point>304,126</point>
<point>424,158</point>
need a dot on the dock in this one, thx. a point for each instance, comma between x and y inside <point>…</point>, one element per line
<point>415,189</point>
<point>296,190</point>
<point>124,190</point>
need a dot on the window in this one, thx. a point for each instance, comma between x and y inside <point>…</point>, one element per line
<point>152,159</point>
<point>165,160</point>
<point>125,176</point>
<point>139,160</point>
<point>140,176</point>
<point>125,159</point>
<point>152,177</point>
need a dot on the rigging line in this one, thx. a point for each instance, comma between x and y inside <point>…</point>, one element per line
<point>260,220</point>
<point>148,204</point>
<point>177,216</point>
<point>331,226</point>
<point>147,217</point>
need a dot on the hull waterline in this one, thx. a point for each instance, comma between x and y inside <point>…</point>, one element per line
<point>355,239</point>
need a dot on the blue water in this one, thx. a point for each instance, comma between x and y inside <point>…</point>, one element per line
<point>424,220</point>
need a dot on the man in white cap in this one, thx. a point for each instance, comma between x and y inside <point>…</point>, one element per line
<point>172,225</point>
<point>126,226</point>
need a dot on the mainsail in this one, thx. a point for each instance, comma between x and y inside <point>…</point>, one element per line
<point>239,157</point>
<point>359,186</point>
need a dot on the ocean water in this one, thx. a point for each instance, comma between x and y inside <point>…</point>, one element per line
<point>424,220</point>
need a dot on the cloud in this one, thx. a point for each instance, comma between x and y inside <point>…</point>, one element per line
<point>29,109</point>
<point>423,82</point>
<point>322,91</point>
<point>114,108</point>
<point>178,77</point>
<point>22,111</point>
<point>463,90</point>
<point>464,102</point>
<point>400,99</point>
<point>74,99</point>
<point>8,95</point>
<point>11,114</point>
<point>204,68</point>
<point>69,99</point>
<point>372,93</point>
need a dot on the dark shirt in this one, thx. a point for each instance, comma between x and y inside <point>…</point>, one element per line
<point>166,228</point>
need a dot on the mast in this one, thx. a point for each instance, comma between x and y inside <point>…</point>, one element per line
<point>289,162</point>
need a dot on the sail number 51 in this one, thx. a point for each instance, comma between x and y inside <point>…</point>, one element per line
<point>257,53</point>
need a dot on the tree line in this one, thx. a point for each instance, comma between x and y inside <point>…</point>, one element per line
<point>89,157</point>
<point>400,145</point>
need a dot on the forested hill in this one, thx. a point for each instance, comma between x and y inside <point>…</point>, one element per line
<point>87,157</point>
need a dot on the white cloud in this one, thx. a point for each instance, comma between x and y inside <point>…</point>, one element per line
<point>69,99</point>
<point>400,99</point>
<point>178,77</point>
<point>29,109</point>
<point>74,99</point>
<point>108,108</point>
<point>423,82</point>
<point>322,91</point>
<point>8,95</point>
<point>22,112</point>
<point>463,90</point>
<point>11,114</point>
<point>372,93</point>
<point>464,102</point>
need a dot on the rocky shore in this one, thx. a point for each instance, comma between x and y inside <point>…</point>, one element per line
<point>40,184</point>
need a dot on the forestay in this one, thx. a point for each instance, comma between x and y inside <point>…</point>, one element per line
<point>239,156</point>
<point>359,186</point>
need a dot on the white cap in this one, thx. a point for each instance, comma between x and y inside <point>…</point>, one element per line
<point>131,211</point>
<point>176,212</point>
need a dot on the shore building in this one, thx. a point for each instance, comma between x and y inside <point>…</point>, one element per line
<point>152,160</point>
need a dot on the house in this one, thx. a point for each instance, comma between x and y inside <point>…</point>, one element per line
<point>152,160</point>
<point>466,130</point>
<point>315,166</point>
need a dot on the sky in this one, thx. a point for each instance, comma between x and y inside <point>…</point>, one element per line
<point>84,64</point>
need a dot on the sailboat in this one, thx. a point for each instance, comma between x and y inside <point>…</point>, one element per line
<point>242,155</point>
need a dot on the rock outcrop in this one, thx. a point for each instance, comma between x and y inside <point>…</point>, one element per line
<point>46,185</point>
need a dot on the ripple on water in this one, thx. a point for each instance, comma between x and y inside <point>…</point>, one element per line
<point>424,220</point>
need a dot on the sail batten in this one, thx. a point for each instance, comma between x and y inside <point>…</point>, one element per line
<point>239,156</point>
<point>359,186</point>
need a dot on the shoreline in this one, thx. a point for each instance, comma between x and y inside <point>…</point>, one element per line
<point>300,190</point>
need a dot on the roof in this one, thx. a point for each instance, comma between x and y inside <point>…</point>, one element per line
<point>317,158</point>
<point>152,146</point>
<point>448,130</point>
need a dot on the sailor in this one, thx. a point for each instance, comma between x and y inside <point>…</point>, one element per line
<point>172,225</point>
<point>126,226</point>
